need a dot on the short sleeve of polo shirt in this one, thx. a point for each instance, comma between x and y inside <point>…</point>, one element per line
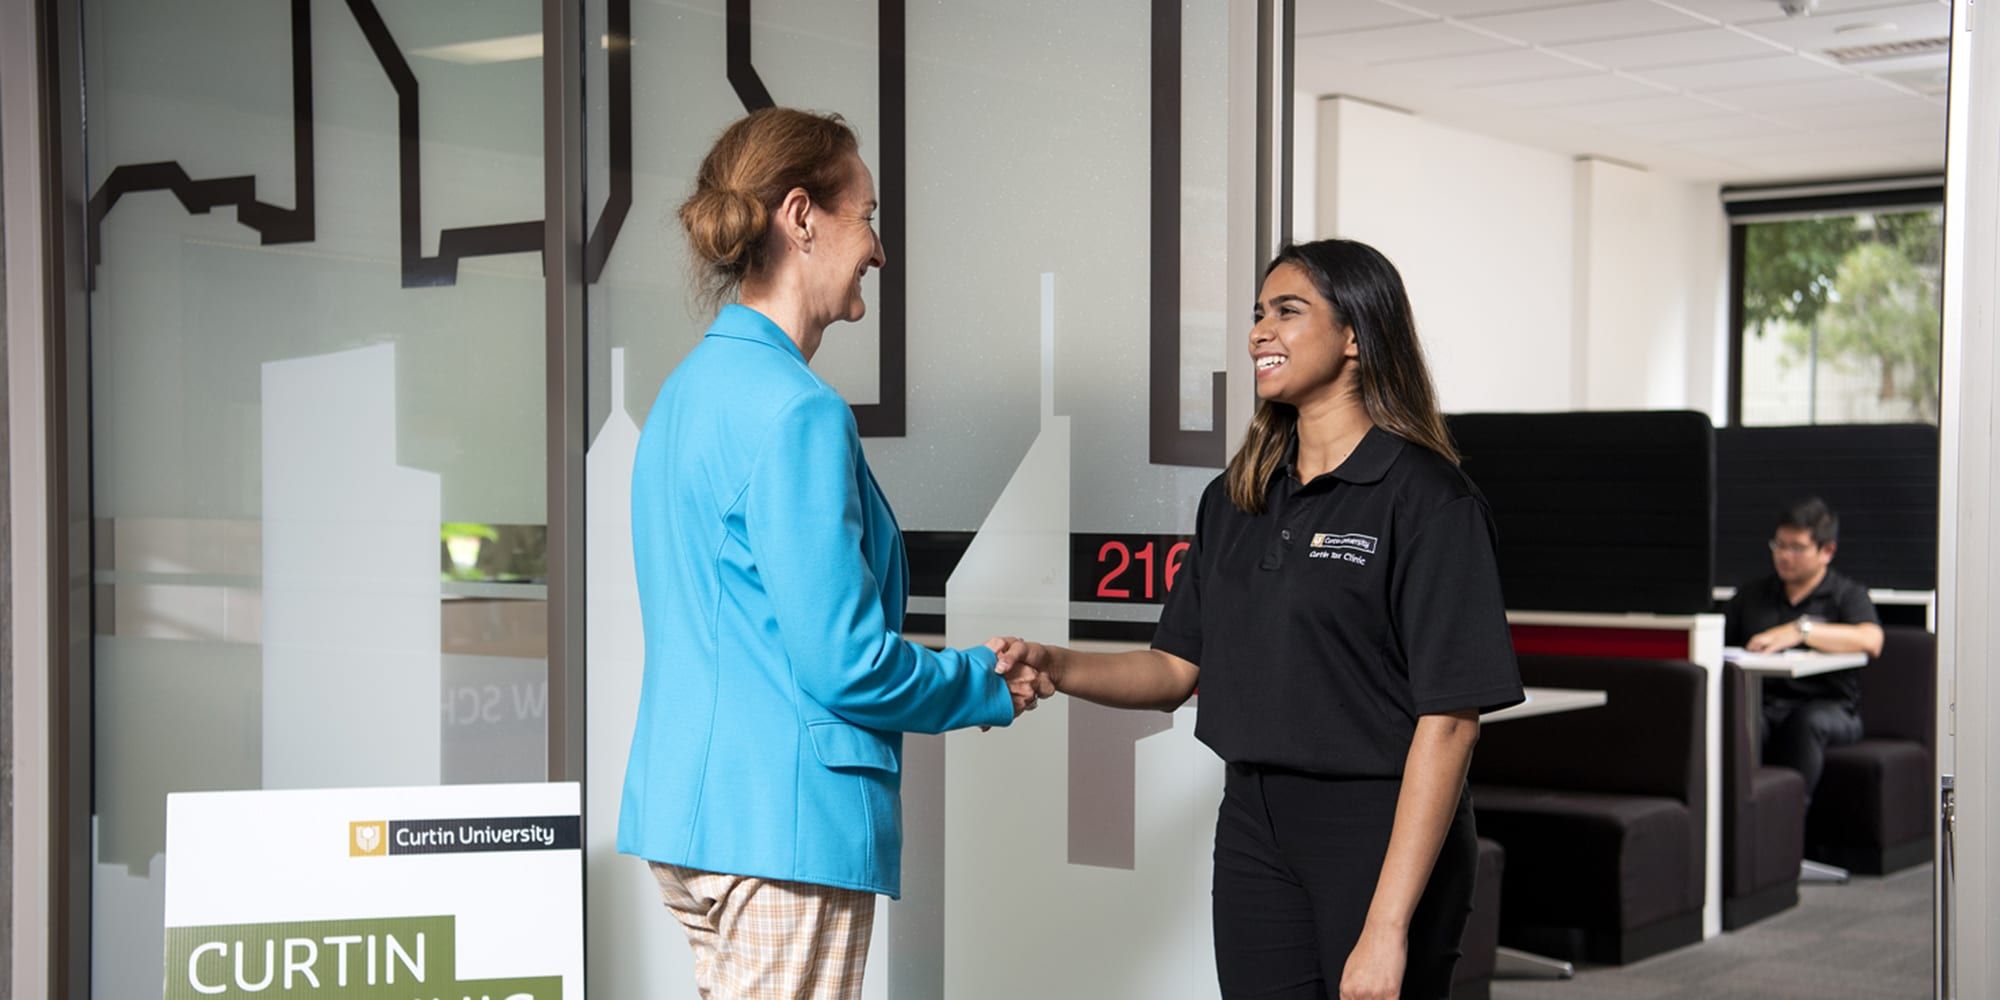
<point>1855,607</point>
<point>1449,616</point>
<point>1179,630</point>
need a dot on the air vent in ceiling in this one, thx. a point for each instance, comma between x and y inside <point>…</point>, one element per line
<point>1888,50</point>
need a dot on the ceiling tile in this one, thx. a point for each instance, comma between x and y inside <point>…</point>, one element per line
<point>1668,49</point>
<point>1612,19</point>
<point>1491,67</point>
<point>1893,111</point>
<point>1897,134</point>
<point>1317,17</point>
<point>1931,81</point>
<point>1935,62</point>
<point>1747,11</point>
<point>1380,45</point>
<point>1708,76</point>
<point>1692,130</point>
<point>1805,94</point>
<point>1589,87</point>
<point>1475,8</point>
<point>1749,147</point>
<point>1820,32</point>
<point>1820,142</point>
<point>1818,166</point>
<point>1665,108</point>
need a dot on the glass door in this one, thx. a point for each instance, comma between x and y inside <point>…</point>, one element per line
<point>317,402</point>
<point>1046,378</point>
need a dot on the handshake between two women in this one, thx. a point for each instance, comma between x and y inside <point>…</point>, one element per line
<point>1141,678</point>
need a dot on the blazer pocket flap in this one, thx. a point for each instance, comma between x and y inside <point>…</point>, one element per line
<point>839,745</point>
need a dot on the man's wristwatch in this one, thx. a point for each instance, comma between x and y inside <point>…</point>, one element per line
<point>1805,631</point>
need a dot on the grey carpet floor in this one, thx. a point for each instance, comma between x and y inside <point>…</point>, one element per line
<point>1867,940</point>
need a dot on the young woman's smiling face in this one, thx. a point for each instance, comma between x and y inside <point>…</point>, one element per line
<point>1298,347</point>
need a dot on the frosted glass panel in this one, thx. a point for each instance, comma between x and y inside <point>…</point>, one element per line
<point>317,411</point>
<point>1066,201</point>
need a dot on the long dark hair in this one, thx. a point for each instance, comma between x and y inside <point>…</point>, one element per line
<point>1367,296</point>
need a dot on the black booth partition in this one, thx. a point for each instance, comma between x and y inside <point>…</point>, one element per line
<point>1649,511</point>
<point>1598,511</point>
<point>1882,479</point>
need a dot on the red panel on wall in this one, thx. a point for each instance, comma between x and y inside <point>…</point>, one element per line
<point>1631,643</point>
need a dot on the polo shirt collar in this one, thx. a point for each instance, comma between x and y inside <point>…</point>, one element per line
<point>1368,463</point>
<point>740,322</point>
<point>1829,585</point>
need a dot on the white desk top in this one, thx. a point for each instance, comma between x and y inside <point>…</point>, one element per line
<point>1793,662</point>
<point>1548,701</point>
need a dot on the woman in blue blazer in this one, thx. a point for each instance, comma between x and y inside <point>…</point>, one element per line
<point>763,783</point>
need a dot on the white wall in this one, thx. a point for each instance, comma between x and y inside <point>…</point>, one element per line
<point>1540,282</point>
<point>1651,281</point>
<point>1481,232</point>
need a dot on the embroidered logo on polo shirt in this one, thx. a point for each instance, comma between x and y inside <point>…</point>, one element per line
<point>1365,543</point>
<point>1344,547</point>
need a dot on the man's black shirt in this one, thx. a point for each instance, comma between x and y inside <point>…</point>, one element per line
<point>1764,605</point>
<point>1354,604</point>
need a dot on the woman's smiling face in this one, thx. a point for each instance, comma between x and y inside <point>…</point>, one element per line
<point>1298,347</point>
<point>847,246</point>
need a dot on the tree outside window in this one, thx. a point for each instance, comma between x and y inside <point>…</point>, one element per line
<point>1842,318</point>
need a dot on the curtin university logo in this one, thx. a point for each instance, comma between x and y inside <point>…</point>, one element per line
<point>1365,543</point>
<point>485,834</point>
<point>367,838</point>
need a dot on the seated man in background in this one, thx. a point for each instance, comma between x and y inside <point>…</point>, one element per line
<point>1805,604</point>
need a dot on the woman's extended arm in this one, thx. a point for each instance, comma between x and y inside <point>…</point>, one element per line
<point>1141,678</point>
<point>1433,780</point>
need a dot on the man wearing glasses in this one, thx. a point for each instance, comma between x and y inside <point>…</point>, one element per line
<point>1804,604</point>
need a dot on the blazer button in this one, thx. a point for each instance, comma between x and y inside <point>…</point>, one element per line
<point>1286,534</point>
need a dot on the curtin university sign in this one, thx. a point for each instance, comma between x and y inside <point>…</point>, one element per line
<point>449,893</point>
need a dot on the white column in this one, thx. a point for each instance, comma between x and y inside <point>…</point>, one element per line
<point>1969,698</point>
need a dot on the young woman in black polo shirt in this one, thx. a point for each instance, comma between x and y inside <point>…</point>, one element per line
<point>1340,609</point>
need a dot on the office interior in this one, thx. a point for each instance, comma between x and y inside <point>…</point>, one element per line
<point>331,328</point>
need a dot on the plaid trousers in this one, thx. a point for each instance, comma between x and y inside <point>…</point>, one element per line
<point>765,939</point>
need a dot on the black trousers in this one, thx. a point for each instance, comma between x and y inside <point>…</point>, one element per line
<point>1797,734</point>
<point>1296,861</point>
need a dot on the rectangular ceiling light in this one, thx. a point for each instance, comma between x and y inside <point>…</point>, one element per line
<point>1888,50</point>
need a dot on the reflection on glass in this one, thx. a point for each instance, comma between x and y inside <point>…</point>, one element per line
<point>1842,317</point>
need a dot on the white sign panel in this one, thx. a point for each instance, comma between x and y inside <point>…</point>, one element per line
<point>468,892</point>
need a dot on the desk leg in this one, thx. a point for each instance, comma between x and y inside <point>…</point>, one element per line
<point>1756,721</point>
<point>1705,649</point>
<point>1512,963</point>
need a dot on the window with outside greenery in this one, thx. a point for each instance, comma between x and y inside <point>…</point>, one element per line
<point>1841,318</point>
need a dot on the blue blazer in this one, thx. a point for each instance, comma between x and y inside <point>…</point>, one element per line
<point>772,583</point>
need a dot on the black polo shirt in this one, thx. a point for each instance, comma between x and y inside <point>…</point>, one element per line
<point>1763,605</point>
<point>1355,603</point>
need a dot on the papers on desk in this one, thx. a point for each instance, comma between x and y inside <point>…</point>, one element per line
<point>1793,662</point>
